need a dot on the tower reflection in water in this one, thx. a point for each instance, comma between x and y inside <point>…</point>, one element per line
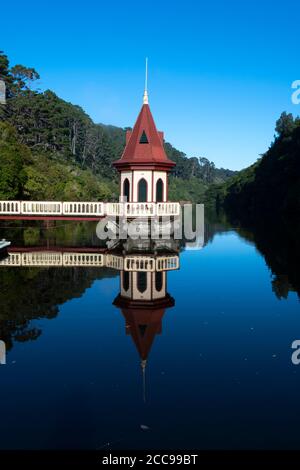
<point>143,269</point>
<point>143,298</point>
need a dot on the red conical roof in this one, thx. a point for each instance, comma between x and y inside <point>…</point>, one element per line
<point>143,319</point>
<point>144,144</point>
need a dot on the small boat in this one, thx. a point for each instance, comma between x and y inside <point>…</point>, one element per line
<point>4,244</point>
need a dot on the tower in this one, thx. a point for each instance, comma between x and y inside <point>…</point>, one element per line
<point>144,165</point>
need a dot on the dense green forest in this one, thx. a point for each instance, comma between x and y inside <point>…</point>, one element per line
<point>51,149</point>
<point>269,187</point>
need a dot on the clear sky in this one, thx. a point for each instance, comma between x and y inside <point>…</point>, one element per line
<point>220,72</point>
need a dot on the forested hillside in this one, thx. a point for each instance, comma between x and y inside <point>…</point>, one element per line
<point>61,153</point>
<point>271,186</point>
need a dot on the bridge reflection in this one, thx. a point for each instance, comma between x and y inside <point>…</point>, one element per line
<point>142,299</point>
<point>53,257</point>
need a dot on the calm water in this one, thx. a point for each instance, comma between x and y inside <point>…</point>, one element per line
<point>218,370</point>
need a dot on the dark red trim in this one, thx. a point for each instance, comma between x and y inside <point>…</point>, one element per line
<point>58,249</point>
<point>123,302</point>
<point>52,217</point>
<point>167,166</point>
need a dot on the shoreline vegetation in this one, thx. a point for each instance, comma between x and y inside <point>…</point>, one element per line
<point>52,150</point>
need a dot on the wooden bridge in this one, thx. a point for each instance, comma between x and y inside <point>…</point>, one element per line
<point>95,259</point>
<point>89,211</point>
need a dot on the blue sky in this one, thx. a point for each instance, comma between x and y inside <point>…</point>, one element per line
<point>220,73</point>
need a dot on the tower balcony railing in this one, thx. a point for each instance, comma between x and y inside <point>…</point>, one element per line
<point>168,208</point>
<point>167,263</point>
<point>143,209</point>
<point>139,263</point>
<point>138,209</point>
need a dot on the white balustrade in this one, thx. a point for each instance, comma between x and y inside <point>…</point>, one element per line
<point>41,208</point>
<point>115,209</point>
<point>41,259</point>
<point>167,208</point>
<point>14,259</point>
<point>139,263</point>
<point>118,209</point>
<point>114,261</point>
<point>167,263</point>
<point>68,259</point>
<point>83,259</point>
<point>140,209</point>
<point>9,207</point>
<point>83,208</point>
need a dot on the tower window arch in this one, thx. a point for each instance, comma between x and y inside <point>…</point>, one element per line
<point>158,281</point>
<point>141,281</point>
<point>142,190</point>
<point>126,189</point>
<point>126,280</point>
<point>159,190</point>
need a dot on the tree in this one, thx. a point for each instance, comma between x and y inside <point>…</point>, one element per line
<point>23,77</point>
<point>12,153</point>
<point>285,125</point>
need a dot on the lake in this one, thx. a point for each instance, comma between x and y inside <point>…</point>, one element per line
<point>198,357</point>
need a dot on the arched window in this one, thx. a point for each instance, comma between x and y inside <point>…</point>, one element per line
<point>141,281</point>
<point>158,281</point>
<point>159,190</point>
<point>126,280</point>
<point>142,190</point>
<point>126,189</point>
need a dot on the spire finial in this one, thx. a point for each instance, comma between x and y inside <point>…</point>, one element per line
<point>145,99</point>
<point>143,365</point>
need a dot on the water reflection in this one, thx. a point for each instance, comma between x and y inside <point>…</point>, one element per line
<point>143,299</point>
<point>142,267</point>
<point>225,338</point>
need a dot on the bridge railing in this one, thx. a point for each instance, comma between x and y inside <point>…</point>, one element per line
<point>41,259</point>
<point>115,209</point>
<point>68,259</point>
<point>83,208</point>
<point>83,259</point>
<point>14,259</point>
<point>10,207</point>
<point>114,261</point>
<point>41,208</point>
